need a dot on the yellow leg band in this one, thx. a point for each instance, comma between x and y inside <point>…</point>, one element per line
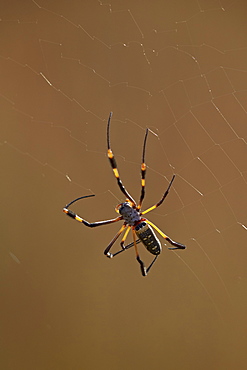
<point>116,172</point>
<point>148,210</point>
<point>157,229</point>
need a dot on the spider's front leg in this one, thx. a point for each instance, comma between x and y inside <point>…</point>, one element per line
<point>113,164</point>
<point>78,218</point>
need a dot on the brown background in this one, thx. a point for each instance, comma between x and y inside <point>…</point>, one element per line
<point>179,68</point>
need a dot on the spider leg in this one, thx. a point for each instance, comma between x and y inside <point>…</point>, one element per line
<point>124,237</point>
<point>128,246</point>
<point>176,244</point>
<point>80,219</point>
<point>151,264</point>
<point>143,172</point>
<point>143,268</point>
<point>114,165</point>
<point>162,199</point>
<point>106,251</point>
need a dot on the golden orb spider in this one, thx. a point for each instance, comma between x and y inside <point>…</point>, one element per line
<point>130,212</point>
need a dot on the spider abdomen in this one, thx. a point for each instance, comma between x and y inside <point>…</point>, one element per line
<point>147,236</point>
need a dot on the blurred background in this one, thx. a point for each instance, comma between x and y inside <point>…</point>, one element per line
<point>180,69</point>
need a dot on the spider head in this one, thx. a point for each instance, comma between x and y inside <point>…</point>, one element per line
<point>129,213</point>
<point>123,207</point>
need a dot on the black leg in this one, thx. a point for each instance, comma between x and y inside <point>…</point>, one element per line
<point>143,172</point>
<point>125,247</point>
<point>114,165</point>
<point>176,244</point>
<point>162,199</point>
<point>106,252</point>
<point>80,219</point>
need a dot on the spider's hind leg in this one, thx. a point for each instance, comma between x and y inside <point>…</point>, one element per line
<point>176,244</point>
<point>145,270</point>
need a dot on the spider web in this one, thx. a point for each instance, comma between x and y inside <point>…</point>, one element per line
<point>178,69</point>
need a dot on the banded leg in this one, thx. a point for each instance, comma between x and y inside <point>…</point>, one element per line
<point>124,237</point>
<point>80,219</point>
<point>106,251</point>
<point>176,244</point>
<point>128,246</point>
<point>144,270</point>
<point>162,199</point>
<point>143,172</point>
<point>114,165</point>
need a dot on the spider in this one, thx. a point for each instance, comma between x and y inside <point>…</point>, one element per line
<point>130,212</point>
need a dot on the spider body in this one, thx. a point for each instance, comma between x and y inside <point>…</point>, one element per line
<point>148,238</point>
<point>144,232</point>
<point>130,215</point>
<point>130,212</point>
